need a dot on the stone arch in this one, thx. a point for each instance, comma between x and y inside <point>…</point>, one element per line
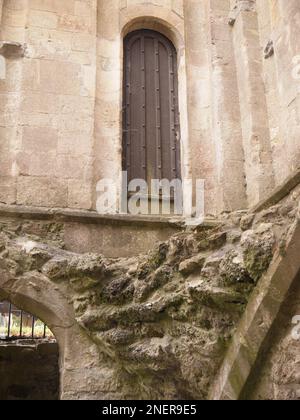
<point>159,25</point>
<point>48,301</point>
<point>36,295</point>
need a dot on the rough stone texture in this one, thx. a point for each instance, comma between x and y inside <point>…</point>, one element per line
<point>253,105</point>
<point>277,374</point>
<point>112,236</point>
<point>160,322</point>
<point>156,325</point>
<point>260,321</point>
<point>29,371</point>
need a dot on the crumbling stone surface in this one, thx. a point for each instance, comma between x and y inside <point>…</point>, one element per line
<point>164,320</point>
<point>258,248</point>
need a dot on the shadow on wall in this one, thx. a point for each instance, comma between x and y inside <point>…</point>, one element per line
<point>29,370</point>
<point>276,373</point>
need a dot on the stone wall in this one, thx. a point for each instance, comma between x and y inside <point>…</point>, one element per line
<point>252,102</point>
<point>49,103</point>
<point>120,314</point>
<point>83,232</point>
<point>157,325</point>
<point>29,371</point>
<point>278,27</point>
<point>60,104</point>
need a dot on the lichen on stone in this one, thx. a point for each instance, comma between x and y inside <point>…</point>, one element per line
<point>163,320</point>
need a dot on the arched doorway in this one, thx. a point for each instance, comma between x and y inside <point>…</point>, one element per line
<point>151,127</point>
<point>29,356</point>
<point>16,324</point>
<point>78,354</point>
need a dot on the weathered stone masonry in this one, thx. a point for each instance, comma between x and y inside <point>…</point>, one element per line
<point>144,307</point>
<point>61,98</point>
<point>157,325</point>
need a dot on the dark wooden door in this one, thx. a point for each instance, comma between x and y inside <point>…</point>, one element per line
<point>151,130</point>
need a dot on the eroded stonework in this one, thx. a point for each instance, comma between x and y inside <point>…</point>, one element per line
<point>135,320</point>
<point>161,322</point>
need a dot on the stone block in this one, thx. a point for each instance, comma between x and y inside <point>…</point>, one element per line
<point>42,191</point>
<point>41,19</point>
<point>75,143</point>
<point>7,189</point>
<point>55,6</point>
<point>80,195</point>
<point>75,23</point>
<point>34,103</point>
<point>74,167</point>
<point>59,77</point>
<point>36,163</point>
<point>83,42</point>
<point>39,139</point>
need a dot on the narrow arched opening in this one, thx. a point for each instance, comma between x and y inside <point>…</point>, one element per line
<point>151,118</point>
<point>29,356</point>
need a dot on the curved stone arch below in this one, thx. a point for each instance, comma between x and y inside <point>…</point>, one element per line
<point>79,361</point>
<point>37,295</point>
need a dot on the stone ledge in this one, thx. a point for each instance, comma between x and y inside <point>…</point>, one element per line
<point>92,217</point>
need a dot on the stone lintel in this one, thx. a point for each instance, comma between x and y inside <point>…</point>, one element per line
<point>92,217</point>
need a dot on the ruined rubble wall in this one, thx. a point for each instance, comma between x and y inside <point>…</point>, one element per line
<point>155,326</point>
<point>29,371</point>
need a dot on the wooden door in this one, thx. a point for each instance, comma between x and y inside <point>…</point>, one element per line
<point>151,129</point>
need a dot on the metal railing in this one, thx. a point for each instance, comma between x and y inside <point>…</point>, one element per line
<point>16,324</point>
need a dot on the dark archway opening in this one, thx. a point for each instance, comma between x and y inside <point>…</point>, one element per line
<point>29,357</point>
